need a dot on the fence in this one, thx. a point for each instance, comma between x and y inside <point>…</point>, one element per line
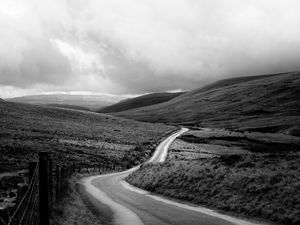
<point>48,184</point>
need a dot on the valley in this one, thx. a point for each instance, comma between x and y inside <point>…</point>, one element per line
<point>240,156</point>
<point>139,112</point>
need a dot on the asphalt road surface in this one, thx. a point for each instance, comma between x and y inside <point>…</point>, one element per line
<point>123,204</point>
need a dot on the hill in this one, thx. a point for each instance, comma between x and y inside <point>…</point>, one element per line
<point>144,100</point>
<point>91,102</point>
<point>72,136</point>
<point>69,107</point>
<point>266,103</point>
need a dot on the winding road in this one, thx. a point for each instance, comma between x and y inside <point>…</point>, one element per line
<point>123,204</point>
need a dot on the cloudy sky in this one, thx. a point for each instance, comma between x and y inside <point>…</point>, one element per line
<point>142,46</point>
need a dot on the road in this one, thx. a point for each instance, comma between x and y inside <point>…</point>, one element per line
<point>123,204</point>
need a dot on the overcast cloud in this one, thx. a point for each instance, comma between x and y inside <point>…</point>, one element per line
<point>139,46</point>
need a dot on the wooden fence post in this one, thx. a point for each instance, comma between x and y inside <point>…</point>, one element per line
<point>50,183</point>
<point>62,180</point>
<point>43,188</point>
<point>57,188</point>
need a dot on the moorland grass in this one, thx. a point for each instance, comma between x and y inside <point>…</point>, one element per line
<point>72,136</point>
<point>255,186</point>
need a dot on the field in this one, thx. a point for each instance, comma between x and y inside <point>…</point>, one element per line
<point>250,174</point>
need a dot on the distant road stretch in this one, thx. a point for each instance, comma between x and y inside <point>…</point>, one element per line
<point>132,206</point>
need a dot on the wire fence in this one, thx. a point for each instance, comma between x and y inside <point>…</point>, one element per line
<point>48,184</point>
<point>27,210</point>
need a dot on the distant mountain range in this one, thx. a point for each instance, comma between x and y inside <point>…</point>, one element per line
<point>83,102</point>
<point>141,101</point>
<point>267,103</point>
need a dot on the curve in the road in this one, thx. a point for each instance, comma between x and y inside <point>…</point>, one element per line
<point>122,215</point>
<point>133,206</point>
<point>161,152</point>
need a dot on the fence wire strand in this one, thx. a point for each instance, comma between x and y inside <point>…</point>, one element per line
<point>25,208</point>
<point>27,211</point>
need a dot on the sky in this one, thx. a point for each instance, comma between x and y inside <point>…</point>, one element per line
<point>128,47</point>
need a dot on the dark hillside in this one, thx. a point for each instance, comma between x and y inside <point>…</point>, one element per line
<point>141,101</point>
<point>264,103</point>
<point>235,80</point>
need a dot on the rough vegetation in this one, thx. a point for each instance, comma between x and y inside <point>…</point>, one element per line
<point>71,136</point>
<point>265,187</point>
<point>72,210</point>
<point>212,168</point>
<point>259,103</point>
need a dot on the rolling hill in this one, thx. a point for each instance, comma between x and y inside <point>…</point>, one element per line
<point>91,102</point>
<point>71,136</point>
<point>268,103</point>
<point>76,107</point>
<point>141,101</point>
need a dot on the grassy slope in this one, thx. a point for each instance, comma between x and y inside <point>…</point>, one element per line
<point>72,136</point>
<point>69,107</point>
<point>260,181</point>
<point>269,103</point>
<point>253,187</point>
<point>92,102</point>
<point>141,101</point>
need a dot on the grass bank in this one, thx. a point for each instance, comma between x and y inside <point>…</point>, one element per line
<point>72,210</point>
<point>263,187</point>
<point>250,174</point>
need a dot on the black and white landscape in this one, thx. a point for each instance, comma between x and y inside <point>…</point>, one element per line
<point>135,112</point>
